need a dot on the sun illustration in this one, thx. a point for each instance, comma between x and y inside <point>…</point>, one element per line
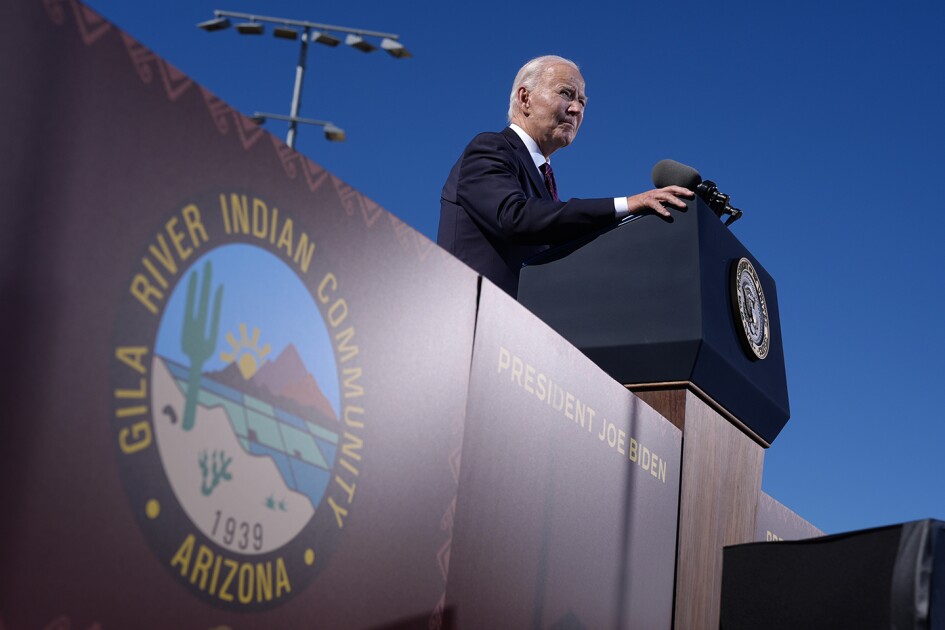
<point>246,352</point>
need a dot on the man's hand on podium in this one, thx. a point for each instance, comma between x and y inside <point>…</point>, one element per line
<point>654,199</point>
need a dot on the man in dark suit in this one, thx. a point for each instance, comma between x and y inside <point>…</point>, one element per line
<point>500,207</point>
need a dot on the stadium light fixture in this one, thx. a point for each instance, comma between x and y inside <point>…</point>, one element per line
<point>356,41</point>
<point>324,38</point>
<point>216,24</point>
<point>395,48</point>
<point>249,28</point>
<point>332,131</point>
<point>305,32</point>
<point>284,32</point>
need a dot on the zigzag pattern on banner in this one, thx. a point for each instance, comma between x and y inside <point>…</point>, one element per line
<point>443,554</point>
<point>218,110</point>
<point>57,15</point>
<point>315,175</point>
<point>443,562</point>
<point>410,239</point>
<point>175,82</point>
<point>786,518</point>
<point>221,113</point>
<point>91,25</point>
<point>353,201</point>
<point>436,619</point>
<point>248,131</point>
<point>446,524</point>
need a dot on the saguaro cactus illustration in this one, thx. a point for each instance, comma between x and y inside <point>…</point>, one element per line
<point>195,341</point>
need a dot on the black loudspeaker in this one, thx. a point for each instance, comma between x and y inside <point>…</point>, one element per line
<point>888,577</point>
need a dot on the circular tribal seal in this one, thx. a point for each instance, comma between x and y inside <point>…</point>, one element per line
<point>748,301</point>
<point>238,441</point>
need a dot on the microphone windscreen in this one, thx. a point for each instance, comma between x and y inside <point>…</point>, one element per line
<point>673,173</point>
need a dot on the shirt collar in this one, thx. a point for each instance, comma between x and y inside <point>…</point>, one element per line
<point>531,145</point>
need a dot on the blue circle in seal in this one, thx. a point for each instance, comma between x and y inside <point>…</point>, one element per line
<point>245,399</point>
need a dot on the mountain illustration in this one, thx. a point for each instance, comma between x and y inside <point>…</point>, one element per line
<point>284,382</point>
<point>287,377</point>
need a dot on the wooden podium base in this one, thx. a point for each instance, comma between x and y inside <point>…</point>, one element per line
<point>718,497</point>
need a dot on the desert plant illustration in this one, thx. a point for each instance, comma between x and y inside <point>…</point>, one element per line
<point>197,343</point>
<point>214,471</point>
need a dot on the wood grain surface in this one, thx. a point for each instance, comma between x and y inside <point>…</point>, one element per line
<point>720,489</point>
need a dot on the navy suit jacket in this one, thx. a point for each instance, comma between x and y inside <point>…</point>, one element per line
<point>496,212</point>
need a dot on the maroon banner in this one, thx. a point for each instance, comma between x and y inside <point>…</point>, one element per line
<point>239,384</point>
<point>569,488</point>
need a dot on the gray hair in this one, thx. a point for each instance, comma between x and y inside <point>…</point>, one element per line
<point>528,77</point>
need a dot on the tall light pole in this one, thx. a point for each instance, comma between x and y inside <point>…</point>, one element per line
<point>310,31</point>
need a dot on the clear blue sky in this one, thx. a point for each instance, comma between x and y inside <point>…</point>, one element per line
<point>825,122</point>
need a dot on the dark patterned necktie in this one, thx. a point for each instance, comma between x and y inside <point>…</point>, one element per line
<point>550,180</point>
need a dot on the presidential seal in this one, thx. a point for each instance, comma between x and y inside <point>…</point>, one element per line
<point>751,311</point>
<point>238,455</point>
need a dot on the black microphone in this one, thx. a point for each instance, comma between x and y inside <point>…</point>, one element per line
<point>673,173</point>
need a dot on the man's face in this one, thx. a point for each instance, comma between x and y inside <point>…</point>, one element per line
<point>553,111</point>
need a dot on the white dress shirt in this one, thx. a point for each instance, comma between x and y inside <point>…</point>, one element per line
<point>621,209</point>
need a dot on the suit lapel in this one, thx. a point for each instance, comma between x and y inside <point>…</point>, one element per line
<point>521,151</point>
